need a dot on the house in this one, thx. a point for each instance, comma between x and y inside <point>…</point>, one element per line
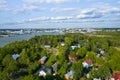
<point>77,56</point>
<point>69,75</point>
<point>71,59</point>
<point>55,67</point>
<point>15,56</point>
<point>75,46</point>
<point>44,70</point>
<point>69,63</point>
<point>102,52</point>
<point>87,63</point>
<point>115,76</point>
<point>99,49</point>
<point>62,44</point>
<point>98,55</point>
<point>88,75</point>
<point>47,46</point>
<point>43,59</point>
<point>78,45</point>
<point>42,73</point>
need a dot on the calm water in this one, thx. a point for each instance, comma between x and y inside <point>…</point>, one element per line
<point>6,40</point>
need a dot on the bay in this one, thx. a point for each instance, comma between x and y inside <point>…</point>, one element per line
<point>7,40</point>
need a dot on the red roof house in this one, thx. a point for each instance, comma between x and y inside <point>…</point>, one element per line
<point>115,76</point>
<point>87,63</point>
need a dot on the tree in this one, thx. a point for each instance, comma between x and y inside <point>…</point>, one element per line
<point>1,57</point>
<point>103,72</point>
<point>43,53</point>
<point>6,59</point>
<point>51,60</point>
<point>4,75</point>
<point>77,69</point>
<point>114,62</point>
<point>24,59</point>
<point>91,55</point>
<point>82,52</point>
<point>10,67</point>
<point>60,58</point>
<point>32,67</point>
<point>68,41</point>
<point>30,77</point>
<point>62,71</point>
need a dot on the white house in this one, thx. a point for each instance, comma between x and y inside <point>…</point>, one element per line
<point>62,44</point>
<point>15,56</point>
<point>44,70</point>
<point>47,46</point>
<point>88,75</point>
<point>42,73</point>
<point>75,46</point>
<point>102,52</point>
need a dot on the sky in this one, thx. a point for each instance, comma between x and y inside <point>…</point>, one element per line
<point>59,14</point>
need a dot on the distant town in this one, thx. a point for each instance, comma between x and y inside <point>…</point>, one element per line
<point>12,32</point>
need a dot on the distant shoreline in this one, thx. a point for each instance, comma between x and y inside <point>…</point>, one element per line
<point>10,39</point>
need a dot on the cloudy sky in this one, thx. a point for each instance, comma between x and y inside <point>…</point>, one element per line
<point>59,13</point>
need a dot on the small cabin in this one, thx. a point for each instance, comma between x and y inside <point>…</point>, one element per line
<point>75,46</point>
<point>62,43</point>
<point>43,59</point>
<point>47,45</point>
<point>69,75</point>
<point>15,56</point>
<point>44,70</point>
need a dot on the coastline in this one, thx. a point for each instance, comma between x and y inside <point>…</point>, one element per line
<point>10,39</point>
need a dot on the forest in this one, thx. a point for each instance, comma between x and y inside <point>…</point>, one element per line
<point>70,56</point>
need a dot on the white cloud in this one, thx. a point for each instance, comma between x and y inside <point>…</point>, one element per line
<point>49,1</point>
<point>63,9</point>
<point>61,18</point>
<point>2,1</point>
<point>109,9</point>
<point>37,19</point>
<point>98,11</point>
<point>4,7</point>
<point>27,7</point>
<point>48,18</point>
<point>89,13</point>
<point>30,7</point>
<point>106,8</point>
